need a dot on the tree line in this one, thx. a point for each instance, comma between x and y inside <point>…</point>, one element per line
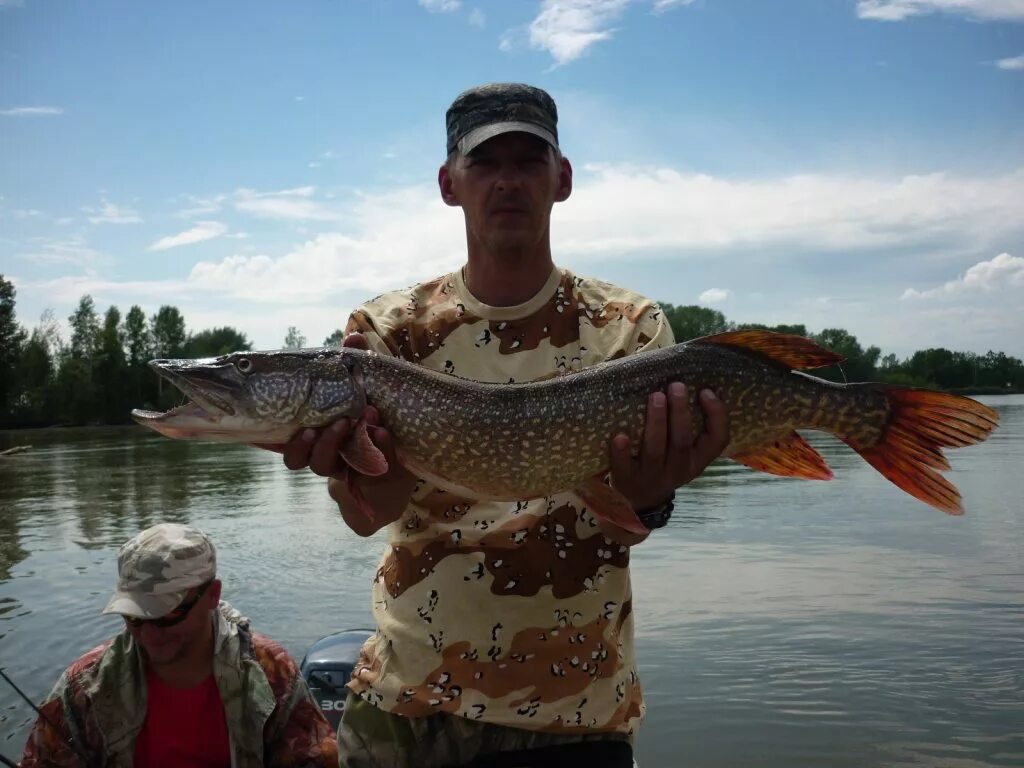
<point>100,373</point>
<point>935,368</point>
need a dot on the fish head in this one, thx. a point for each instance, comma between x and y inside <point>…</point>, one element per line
<point>258,397</point>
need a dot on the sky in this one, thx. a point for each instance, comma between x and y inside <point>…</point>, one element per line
<point>838,163</point>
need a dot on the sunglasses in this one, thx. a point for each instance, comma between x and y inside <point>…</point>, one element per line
<point>176,616</point>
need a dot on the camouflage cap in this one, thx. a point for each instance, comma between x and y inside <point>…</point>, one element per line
<point>157,567</point>
<point>483,112</point>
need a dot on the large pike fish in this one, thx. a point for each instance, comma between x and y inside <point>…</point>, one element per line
<point>521,441</point>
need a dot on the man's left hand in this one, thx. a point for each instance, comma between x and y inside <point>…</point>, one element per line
<point>670,456</point>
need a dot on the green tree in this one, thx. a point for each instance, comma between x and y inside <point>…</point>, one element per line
<point>215,342</point>
<point>794,330</point>
<point>12,339</point>
<point>85,329</point>
<point>859,365</point>
<point>945,368</point>
<point>76,376</point>
<point>141,385</point>
<point>692,321</point>
<point>294,339</point>
<point>167,332</point>
<point>137,339</point>
<point>35,375</point>
<point>335,339</point>
<point>112,370</point>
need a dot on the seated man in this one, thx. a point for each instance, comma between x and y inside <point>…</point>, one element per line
<point>186,683</point>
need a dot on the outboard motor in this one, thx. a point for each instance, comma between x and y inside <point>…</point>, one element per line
<point>327,667</point>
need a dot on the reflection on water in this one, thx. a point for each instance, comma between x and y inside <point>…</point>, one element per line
<point>779,622</point>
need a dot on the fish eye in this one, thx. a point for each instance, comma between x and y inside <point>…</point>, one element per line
<point>244,365</point>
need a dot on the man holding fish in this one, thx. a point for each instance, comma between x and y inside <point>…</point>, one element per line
<point>512,490</point>
<point>505,627</point>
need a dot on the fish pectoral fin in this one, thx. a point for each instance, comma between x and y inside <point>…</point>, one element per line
<point>607,503</point>
<point>361,503</point>
<point>794,352</point>
<point>790,456</point>
<point>362,455</point>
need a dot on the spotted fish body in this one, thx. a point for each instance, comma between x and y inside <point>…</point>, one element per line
<point>520,441</point>
<point>517,441</point>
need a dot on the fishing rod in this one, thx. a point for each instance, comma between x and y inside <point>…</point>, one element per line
<point>8,762</point>
<point>57,729</point>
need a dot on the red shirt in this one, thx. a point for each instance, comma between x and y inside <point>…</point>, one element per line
<point>184,727</point>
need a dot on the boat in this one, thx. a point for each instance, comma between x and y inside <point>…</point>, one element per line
<point>327,668</point>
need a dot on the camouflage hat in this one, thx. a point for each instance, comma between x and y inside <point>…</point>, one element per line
<point>486,111</point>
<point>157,567</point>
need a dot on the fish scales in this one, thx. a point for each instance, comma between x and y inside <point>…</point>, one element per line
<point>555,433</point>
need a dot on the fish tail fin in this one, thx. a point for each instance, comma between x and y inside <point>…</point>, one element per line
<point>921,423</point>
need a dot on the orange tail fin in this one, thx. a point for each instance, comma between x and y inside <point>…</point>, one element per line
<point>922,423</point>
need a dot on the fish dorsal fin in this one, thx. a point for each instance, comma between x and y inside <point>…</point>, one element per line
<point>362,455</point>
<point>795,352</point>
<point>790,456</point>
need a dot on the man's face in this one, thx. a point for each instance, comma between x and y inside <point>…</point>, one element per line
<point>506,188</point>
<point>165,645</point>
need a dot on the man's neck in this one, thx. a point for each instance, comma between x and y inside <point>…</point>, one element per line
<point>506,280</point>
<point>191,669</point>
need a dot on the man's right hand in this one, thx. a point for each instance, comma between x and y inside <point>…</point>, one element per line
<point>319,449</point>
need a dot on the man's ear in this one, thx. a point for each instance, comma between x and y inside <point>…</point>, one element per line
<point>564,181</point>
<point>444,183</point>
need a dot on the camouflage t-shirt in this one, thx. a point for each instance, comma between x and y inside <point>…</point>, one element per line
<point>518,613</point>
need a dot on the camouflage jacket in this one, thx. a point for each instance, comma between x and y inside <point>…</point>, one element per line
<point>99,705</point>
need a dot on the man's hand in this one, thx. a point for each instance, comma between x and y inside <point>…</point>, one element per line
<point>669,456</point>
<point>319,449</point>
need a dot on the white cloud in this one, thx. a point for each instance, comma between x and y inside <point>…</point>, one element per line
<point>714,296</point>
<point>401,237</point>
<point>109,213</point>
<point>1002,271</point>
<point>441,6</point>
<point>566,28</point>
<point>32,111</point>
<point>68,251</point>
<point>660,6</point>
<point>204,230</point>
<point>1015,63</point>
<point>662,210</point>
<point>293,204</point>
<point>477,18</point>
<point>406,235</point>
<point>898,10</point>
<point>70,288</point>
<point>200,206</point>
<point>398,237</point>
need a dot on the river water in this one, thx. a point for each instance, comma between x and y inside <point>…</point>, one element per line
<point>779,622</point>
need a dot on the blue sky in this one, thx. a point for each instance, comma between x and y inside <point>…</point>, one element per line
<point>850,163</point>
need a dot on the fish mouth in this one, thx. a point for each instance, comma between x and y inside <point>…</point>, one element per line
<point>184,421</point>
<point>209,411</point>
<point>204,384</point>
<point>192,421</point>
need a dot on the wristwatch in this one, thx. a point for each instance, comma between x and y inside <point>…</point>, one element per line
<point>656,517</point>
